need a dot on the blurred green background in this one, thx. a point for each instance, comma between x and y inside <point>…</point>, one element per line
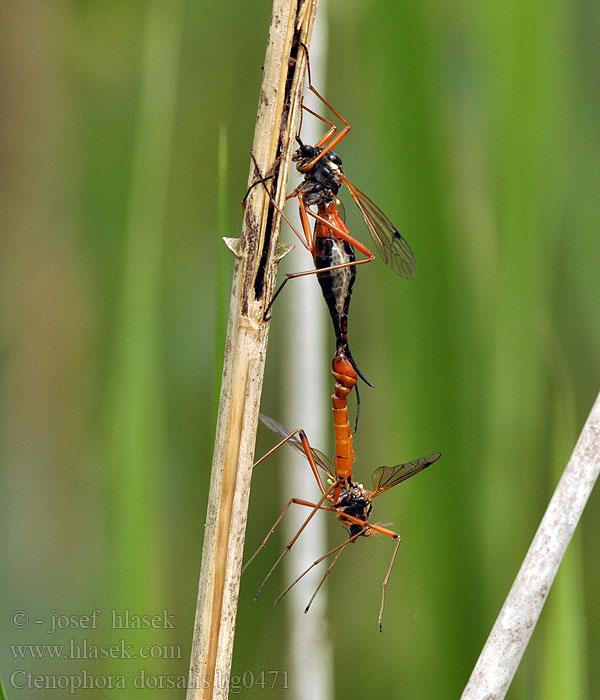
<point>475,126</point>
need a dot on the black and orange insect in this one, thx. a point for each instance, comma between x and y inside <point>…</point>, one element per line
<point>332,246</point>
<point>340,494</point>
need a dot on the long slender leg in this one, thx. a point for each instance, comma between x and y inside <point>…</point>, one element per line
<point>341,547</point>
<point>325,575</point>
<point>256,182</point>
<point>393,535</point>
<point>271,531</point>
<point>375,528</point>
<point>333,128</point>
<point>345,235</point>
<point>329,136</point>
<point>304,211</point>
<point>315,507</point>
<point>307,449</point>
<point>307,239</point>
<point>385,583</point>
<point>336,139</point>
<point>323,139</point>
<point>293,275</point>
<point>322,143</point>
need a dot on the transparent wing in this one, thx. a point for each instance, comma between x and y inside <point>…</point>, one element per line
<point>392,245</point>
<point>321,459</point>
<point>385,478</point>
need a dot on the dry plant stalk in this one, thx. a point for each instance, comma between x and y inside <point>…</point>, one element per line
<point>510,635</point>
<point>257,255</point>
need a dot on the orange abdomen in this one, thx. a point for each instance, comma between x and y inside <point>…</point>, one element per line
<point>345,377</point>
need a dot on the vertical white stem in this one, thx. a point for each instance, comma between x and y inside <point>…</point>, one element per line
<point>257,255</point>
<point>309,347</point>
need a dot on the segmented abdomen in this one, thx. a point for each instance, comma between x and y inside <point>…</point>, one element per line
<point>345,379</point>
<point>336,285</point>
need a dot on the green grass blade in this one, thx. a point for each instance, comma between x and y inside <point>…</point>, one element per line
<point>136,441</point>
<point>2,691</point>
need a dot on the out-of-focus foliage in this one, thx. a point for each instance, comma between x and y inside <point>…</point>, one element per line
<point>475,127</point>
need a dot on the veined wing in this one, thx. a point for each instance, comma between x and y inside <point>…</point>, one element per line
<point>392,246</point>
<point>321,459</point>
<point>385,478</point>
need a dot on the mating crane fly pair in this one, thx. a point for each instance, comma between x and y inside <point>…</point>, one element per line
<point>333,250</point>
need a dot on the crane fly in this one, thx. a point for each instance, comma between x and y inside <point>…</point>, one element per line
<point>331,244</point>
<point>340,494</point>
<point>323,177</point>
